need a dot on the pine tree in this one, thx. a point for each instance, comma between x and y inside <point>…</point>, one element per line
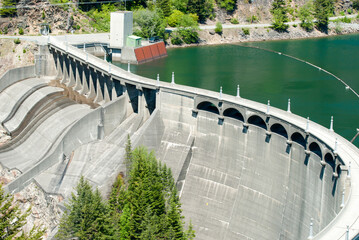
<point>203,8</point>
<point>322,11</point>
<point>12,220</point>
<point>8,8</point>
<point>85,217</point>
<point>279,11</point>
<point>165,7</point>
<point>190,233</point>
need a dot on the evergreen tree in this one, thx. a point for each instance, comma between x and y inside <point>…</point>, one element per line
<point>85,217</point>
<point>190,233</point>
<point>165,7</point>
<point>279,12</point>
<point>12,220</point>
<point>229,5</point>
<point>306,16</point>
<point>322,10</point>
<point>8,8</point>
<point>203,9</point>
<point>146,206</point>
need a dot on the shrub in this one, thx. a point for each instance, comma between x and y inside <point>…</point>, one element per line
<point>229,5</point>
<point>21,31</point>
<point>174,18</point>
<point>356,4</point>
<point>246,31</point>
<point>346,20</point>
<point>350,11</point>
<point>234,21</point>
<point>189,35</point>
<point>219,28</point>
<point>43,14</point>
<point>17,41</point>
<point>176,40</point>
<point>24,51</point>
<point>295,25</point>
<point>252,19</point>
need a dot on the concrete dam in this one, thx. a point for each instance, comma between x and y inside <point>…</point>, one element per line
<point>244,170</point>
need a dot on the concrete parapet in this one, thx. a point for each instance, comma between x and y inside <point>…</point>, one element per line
<point>16,74</point>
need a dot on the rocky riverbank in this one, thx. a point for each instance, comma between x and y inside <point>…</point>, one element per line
<point>257,34</point>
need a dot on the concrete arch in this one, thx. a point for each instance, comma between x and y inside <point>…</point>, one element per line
<point>257,121</point>
<point>330,160</point>
<point>208,106</point>
<point>298,138</point>
<point>279,129</point>
<point>316,149</point>
<point>233,113</point>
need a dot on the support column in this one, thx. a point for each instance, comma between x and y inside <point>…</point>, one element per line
<point>99,96</point>
<point>71,81</point>
<point>78,85</point>
<point>85,88</point>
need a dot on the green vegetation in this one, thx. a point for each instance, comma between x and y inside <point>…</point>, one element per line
<point>229,5</point>
<point>218,29</point>
<point>12,220</point>
<point>164,6</point>
<point>246,31</point>
<point>17,41</point>
<point>279,12</point>
<point>356,4</point>
<point>64,5</point>
<point>43,16</point>
<point>101,17</point>
<point>174,19</point>
<point>322,10</point>
<point>148,23</point>
<point>306,16</point>
<point>203,9</point>
<point>252,19</point>
<point>8,8</point>
<point>234,21</point>
<point>143,205</point>
<point>21,31</point>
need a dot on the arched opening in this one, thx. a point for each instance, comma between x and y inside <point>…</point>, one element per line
<point>257,121</point>
<point>314,148</point>
<point>233,113</point>
<point>298,138</point>
<point>208,106</point>
<point>328,158</point>
<point>279,129</point>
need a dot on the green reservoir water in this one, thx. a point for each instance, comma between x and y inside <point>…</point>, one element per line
<point>264,75</point>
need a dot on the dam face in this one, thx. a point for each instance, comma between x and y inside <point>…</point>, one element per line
<point>235,183</point>
<point>244,170</point>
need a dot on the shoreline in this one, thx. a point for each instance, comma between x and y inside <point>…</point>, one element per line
<point>261,34</point>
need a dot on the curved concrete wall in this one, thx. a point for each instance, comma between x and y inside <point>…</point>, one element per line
<point>236,185</point>
<point>16,74</point>
<point>239,178</point>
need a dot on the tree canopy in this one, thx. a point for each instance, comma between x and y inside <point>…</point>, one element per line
<point>279,12</point>
<point>322,10</point>
<point>143,205</point>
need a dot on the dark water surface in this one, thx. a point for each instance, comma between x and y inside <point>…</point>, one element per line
<point>264,75</point>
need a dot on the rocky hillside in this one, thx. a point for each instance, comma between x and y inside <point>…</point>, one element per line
<point>31,14</point>
<point>61,19</point>
<point>248,11</point>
